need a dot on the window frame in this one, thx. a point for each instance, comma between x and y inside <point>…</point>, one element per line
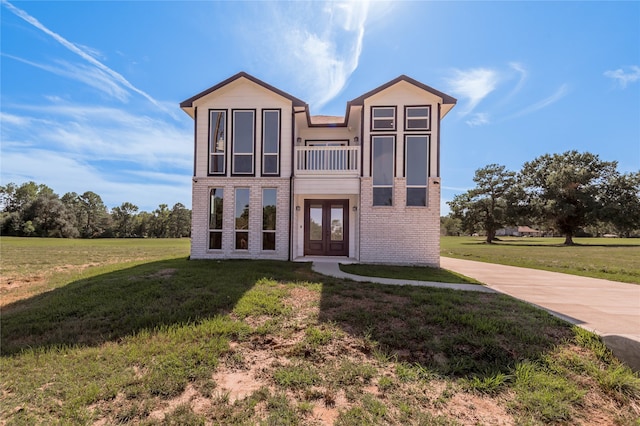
<point>393,169</point>
<point>275,222</point>
<point>211,145</point>
<point>212,206</point>
<point>424,186</point>
<point>264,154</point>
<point>237,230</point>
<point>234,152</point>
<point>394,119</point>
<point>407,118</point>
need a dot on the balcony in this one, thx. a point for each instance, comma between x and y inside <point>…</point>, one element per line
<point>327,161</point>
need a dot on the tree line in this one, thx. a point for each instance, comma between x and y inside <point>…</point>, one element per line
<point>32,209</point>
<point>563,194</point>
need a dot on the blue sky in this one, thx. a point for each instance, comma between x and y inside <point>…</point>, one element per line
<point>90,90</point>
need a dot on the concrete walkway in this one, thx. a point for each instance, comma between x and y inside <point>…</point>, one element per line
<point>332,269</point>
<point>608,308</point>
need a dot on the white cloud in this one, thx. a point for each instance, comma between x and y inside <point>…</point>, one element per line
<point>318,45</point>
<point>622,77</point>
<point>560,93</point>
<point>103,73</point>
<point>478,119</point>
<point>473,85</point>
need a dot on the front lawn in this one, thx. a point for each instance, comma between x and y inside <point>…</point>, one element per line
<point>175,341</point>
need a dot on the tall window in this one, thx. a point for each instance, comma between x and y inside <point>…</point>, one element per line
<point>217,142</point>
<point>215,218</point>
<point>269,202</point>
<point>270,142</point>
<point>382,173</point>
<point>243,141</point>
<point>417,169</point>
<point>417,118</point>
<point>242,219</point>
<point>383,118</point>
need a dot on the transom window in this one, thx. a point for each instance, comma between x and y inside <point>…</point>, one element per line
<point>216,204</point>
<point>243,141</point>
<point>217,141</point>
<point>417,118</point>
<point>383,118</point>
<point>383,169</point>
<point>269,214</point>
<point>270,142</point>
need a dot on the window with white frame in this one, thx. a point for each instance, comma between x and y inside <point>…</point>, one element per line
<point>417,118</point>
<point>383,118</point>
<point>216,204</point>
<point>242,218</point>
<point>270,142</point>
<point>217,141</point>
<point>243,141</point>
<point>383,159</point>
<point>416,162</point>
<point>269,214</point>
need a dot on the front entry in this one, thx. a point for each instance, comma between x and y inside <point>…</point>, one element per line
<point>326,227</point>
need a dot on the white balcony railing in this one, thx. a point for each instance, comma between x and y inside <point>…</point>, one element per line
<point>327,160</point>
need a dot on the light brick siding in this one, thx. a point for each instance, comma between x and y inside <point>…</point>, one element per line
<point>400,234</point>
<point>200,218</point>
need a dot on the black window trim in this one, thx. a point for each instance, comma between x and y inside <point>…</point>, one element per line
<point>262,154</point>
<point>395,147</point>
<point>395,118</point>
<point>253,163</point>
<point>226,141</point>
<point>422,129</point>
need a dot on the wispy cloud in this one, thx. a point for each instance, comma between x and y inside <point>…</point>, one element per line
<point>317,44</point>
<point>473,85</point>
<point>478,119</point>
<point>103,73</point>
<point>120,155</point>
<point>560,93</point>
<point>622,77</point>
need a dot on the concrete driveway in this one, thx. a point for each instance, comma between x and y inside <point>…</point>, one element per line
<point>608,308</point>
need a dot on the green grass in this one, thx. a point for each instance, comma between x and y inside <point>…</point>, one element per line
<point>416,273</point>
<point>150,342</point>
<point>616,259</point>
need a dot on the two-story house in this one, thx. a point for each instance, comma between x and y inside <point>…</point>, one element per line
<point>272,181</point>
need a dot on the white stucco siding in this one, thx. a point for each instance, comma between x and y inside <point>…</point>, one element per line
<point>243,94</point>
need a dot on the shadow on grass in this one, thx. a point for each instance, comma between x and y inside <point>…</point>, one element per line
<point>110,306</point>
<point>512,243</point>
<point>448,332</point>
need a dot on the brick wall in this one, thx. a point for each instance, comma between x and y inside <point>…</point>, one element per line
<point>400,234</point>
<point>200,218</point>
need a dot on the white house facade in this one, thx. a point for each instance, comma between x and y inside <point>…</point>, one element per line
<point>271,181</point>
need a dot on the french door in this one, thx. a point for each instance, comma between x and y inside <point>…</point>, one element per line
<point>326,227</point>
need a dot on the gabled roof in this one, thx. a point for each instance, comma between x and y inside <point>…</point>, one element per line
<point>446,99</point>
<point>188,104</point>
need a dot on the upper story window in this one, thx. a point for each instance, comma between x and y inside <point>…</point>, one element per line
<point>417,118</point>
<point>270,142</point>
<point>243,141</point>
<point>383,160</point>
<point>416,168</point>
<point>217,141</point>
<point>383,118</point>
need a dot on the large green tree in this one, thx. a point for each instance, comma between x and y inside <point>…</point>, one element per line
<point>621,201</point>
<point>486,207</point>
<point>566,190</point>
